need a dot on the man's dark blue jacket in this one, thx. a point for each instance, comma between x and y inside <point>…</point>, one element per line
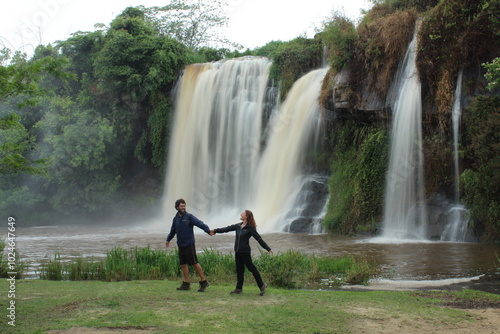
<point>183,227</point>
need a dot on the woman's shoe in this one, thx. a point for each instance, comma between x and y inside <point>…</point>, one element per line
<point>263,289</point>
<point>236,291</point>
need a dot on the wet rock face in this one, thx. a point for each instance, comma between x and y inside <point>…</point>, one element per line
<point>301,225</point>
<point>313,201</point>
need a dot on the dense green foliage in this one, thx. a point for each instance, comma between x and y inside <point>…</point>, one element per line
<point>292,60</point>
<point>493,73</point>
<point>340,35</point>
<point>97,116</point>
<point>481,182</point>
<point>356,186</point>
<point>22,76</point>
<point>14,142</point>
<point>454,35</point>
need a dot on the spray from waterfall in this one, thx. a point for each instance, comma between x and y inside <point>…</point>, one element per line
<point>404,206</point>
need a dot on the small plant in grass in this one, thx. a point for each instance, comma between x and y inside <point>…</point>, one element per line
<point>217,266</point>
<point>359,272</point>
<point>119,265</point>
<point>52,269</point>
<point>83,269</point>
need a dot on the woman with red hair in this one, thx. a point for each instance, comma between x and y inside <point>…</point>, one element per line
<point>246,229</point>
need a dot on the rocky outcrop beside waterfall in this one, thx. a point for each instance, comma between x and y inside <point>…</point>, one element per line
<point>309,206</point>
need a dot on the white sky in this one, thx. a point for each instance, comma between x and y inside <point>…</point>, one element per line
<point>24,24</point>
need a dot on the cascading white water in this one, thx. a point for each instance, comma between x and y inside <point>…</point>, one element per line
<point>404,206</point>
<point>292,130</point>
<point>215,143</point>
<point>216,161</point>
<point>456,117</point>
<point>456,227</point>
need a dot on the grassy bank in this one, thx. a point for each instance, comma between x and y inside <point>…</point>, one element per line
<point>290,269</point>
<point>157,307</point>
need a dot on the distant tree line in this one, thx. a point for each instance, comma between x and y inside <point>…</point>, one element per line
<point>84,124</point>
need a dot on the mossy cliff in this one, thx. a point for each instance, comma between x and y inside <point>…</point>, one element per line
<point>358,92</point>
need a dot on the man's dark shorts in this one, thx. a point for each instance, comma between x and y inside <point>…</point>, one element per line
<point>187,255</point>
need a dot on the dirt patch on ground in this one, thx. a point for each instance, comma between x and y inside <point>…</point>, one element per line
<point>374,321</point>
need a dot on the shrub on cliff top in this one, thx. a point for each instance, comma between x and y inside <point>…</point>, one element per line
<point>339,36</point>
<point>381,47</point>
<point>455,34</point>
<point>292,60</point>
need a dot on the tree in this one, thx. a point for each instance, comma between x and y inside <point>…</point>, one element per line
<point>21,76</point>
<point>192,22</point>
<point>78,146</point>
<point>339,35</point>
<point>15,141</point>
<point>134,70</point>
<point>493,73</point>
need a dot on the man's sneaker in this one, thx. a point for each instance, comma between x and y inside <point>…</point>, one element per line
<point>236,291</point>
<point>203,285</point>
<point>263,289</point>
<point>184,286</point>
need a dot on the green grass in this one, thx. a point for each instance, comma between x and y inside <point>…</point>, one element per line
<point>158,307</point>
<point>290,269</point>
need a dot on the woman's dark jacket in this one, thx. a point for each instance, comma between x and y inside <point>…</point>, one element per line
<point>243,235</point>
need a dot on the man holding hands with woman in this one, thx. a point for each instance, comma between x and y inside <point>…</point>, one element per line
<point>182,225</point>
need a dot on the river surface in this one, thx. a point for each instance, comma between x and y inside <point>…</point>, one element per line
<point>417,261</point>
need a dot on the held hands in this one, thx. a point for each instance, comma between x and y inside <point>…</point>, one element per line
<point>212,232</point>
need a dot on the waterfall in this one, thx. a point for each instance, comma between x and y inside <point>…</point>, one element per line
<point>456,117</point>
<point>458,218</point>
<point>280,176</point>
<point>215,140</point>
<point>404,206</point>
<point>221,159</point>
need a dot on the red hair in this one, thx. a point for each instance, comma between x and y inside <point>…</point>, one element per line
<point>250,218</point>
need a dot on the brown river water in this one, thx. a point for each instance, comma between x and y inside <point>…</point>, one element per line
<point>413,261</point>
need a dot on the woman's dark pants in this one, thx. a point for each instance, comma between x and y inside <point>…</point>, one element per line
<point>245,260</point>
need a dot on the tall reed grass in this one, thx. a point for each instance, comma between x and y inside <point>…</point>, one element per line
<point>290,269</point>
